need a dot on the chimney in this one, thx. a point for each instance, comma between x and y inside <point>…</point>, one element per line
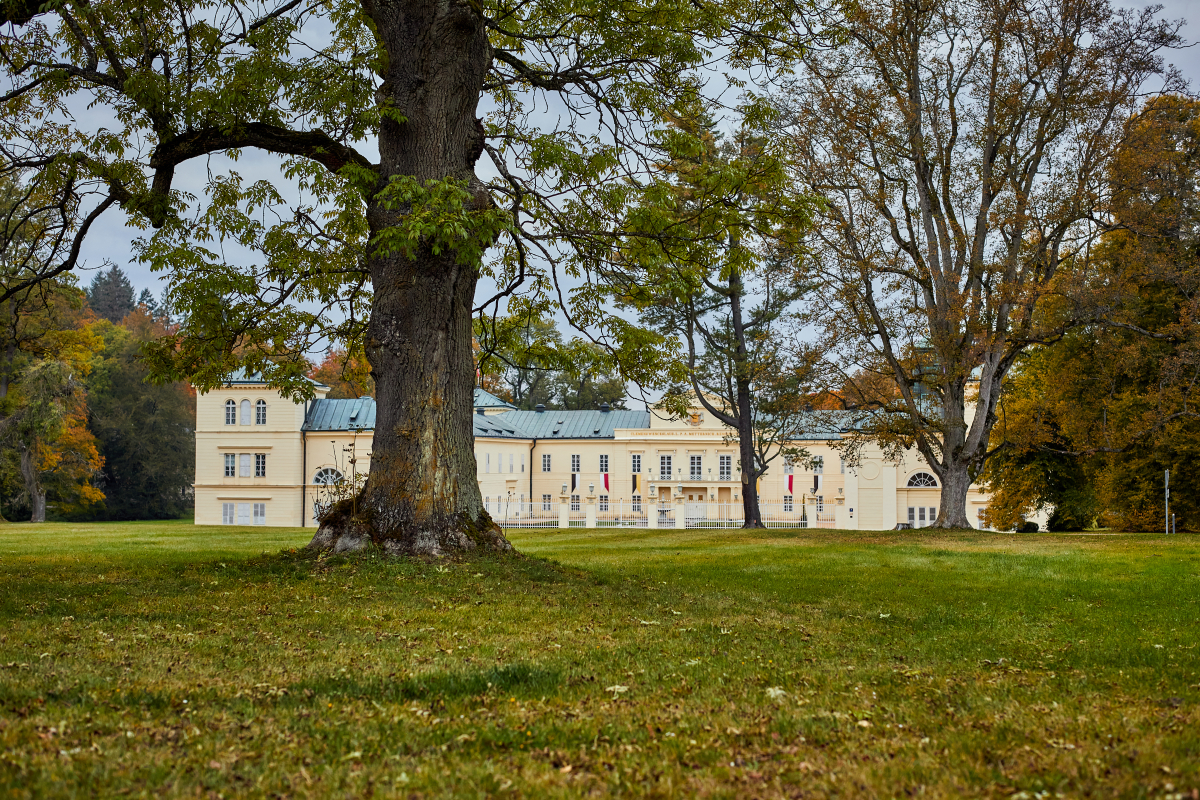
<point>539,408</point>
<point>604,408</point>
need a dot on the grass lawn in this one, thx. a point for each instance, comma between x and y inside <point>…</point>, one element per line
<point>167,660</point>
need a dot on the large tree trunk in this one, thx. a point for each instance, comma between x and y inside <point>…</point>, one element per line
<point>952,510</point>
<point>37,495</point>
<point>421,496</point>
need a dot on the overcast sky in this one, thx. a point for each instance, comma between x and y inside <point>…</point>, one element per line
<point>111,240</point>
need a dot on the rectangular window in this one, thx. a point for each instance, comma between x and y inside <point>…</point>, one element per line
<point>260,413</point>
<point>545,502</point>
<point>842,465</point>
<point>788,466</point>
<point>510,463</point>
<point>230,414</point>
<point>787,502</point>
<point>912,516</point>
<point>260,513</point>
<point>522,463</point>
<point>696,471</point>
<point>487,462</point>
<point>244,466</point>
<point>226,513</point>
<point>574,502</point>
<point>260,465</point>
<point>921,516</point>
<point>604,502</point>
<point>636,502</point>
<point>603,464</point>
<point>487,504</point>
<point>230,466</point>
<point>244,510</point>
<point>575,463</point>
<point>546,462</point>
<point>664,468</point>
<point>820,504</point>
<point>726,465</point>
<point>983,526</point>
<point>819,465</point>
<point>932,515</point>
<point>635,463</point>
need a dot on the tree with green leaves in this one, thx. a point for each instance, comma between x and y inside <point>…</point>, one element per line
<point>728,288</point>
<point>388,252</point>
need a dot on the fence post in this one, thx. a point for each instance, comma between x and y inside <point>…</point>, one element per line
<point>564,513</point>
<point>680,519</point>
<point>589,520</point>
<point>651,506</point>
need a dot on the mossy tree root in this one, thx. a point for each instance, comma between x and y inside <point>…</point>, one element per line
<point>347,528</point>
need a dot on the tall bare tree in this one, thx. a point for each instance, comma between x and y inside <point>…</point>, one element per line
<point>959,148</point>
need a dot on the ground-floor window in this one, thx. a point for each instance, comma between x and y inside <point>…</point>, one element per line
<point>604,502</point>
<point>983,526</point>
<point>787,502</point>
<point>921,516</point>
<point>244,512</point>
<point>260,513</point>
<point>574,502</point>
<point>226,513</point>
<point>545,502</point>
<point>637,502</point>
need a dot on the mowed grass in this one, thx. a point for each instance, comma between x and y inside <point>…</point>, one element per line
<point>170,660</point>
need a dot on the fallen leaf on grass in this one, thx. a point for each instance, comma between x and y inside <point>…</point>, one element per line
<point>776,693</point>
<point>616,690</point>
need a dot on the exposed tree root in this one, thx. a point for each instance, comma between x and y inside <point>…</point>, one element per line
<point>344,531</point>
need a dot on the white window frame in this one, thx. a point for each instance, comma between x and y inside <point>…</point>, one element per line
<point>545,462</point>
<point>576,462</point>
<point>227,514</point>
<point>260,513</point>
<point>604,502</point>
<point>574,502</point>
<point>788,467</point>
<point>245,466</point>
<point>260,465</point>
<point>636,502</point>
<point>818,466</point>
<point>260,412</point>
<point>231,412</point>
<point>230,465</point>
<point>725,465</point>
<point>487,462</point>
<point>603,463</point>
<point>665,468</point>
<point>547,502</point>
<point>635,463</point>
<point>511,456</point>
<point>696,468</point>
<point>245,412</point>
<point>787,503</point>
<point>245,514</point>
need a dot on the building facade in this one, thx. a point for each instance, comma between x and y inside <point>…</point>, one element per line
<point>262,459</point>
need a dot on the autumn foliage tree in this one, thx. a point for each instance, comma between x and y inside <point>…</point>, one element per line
<point>960,150</point>
<point>1094,420</point>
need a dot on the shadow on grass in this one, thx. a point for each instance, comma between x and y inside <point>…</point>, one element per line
<point>523,679</point>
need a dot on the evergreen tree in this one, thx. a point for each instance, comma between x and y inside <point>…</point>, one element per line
<point>111,295</point>
<point>145,431</point>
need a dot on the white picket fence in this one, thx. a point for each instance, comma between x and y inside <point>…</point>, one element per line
<point>624,514</point>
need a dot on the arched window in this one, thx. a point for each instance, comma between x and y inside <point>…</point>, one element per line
<point>245,412</point>
<point>327,476</point>
<point>260,412</point>
<point>230,412</point>
<point>922,480</point>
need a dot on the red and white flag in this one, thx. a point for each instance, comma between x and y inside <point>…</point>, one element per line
<point>790,484</point>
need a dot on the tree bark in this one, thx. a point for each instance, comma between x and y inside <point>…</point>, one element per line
<point>952,510</point>
<point>421,497</point>
<point>37,495</point>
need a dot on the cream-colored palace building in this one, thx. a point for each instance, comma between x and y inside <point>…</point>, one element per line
<point>262,459</point>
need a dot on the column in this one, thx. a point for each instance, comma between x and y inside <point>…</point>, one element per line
<point>590,512</point>
<point>680,519</point>
<point>564,512</point>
